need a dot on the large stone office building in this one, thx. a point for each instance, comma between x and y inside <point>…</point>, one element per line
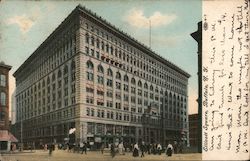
<point>93,77</point>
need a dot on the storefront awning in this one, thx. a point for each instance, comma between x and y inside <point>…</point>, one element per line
<point>7,136</point>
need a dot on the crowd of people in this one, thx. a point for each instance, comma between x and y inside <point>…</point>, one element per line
<point>155,149</point>
<point>137,150</point>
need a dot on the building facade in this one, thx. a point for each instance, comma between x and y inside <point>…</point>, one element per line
<point>197,35</point>
<point>4,94</point>
<point>4,107</point>
<point>193,131</point>
<point>93,77</point>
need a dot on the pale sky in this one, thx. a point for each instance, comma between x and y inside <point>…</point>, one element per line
<point>24,25</point>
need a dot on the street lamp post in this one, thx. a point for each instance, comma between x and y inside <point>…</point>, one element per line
<point>21,130</point>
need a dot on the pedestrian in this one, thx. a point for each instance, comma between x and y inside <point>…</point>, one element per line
<point>121,148</point>
<point>53,147</point>
<point>84,148</point>
<point>175,147</point>
<point>45,147</point>
<point>14,147</point>
<point>180,147</point>
<point>29,147</point>
<point>154,147</point>
<point>33,146</point>
<point>149,148</point>
<point>131,147</point>
<point>81,147</point>
<point>143,148</point>
<point>136,150</point>
<point>169,150</point>
<point>159,148</point>
<point>112,150</point>
<point>50,149</point>
<point>102,147</point>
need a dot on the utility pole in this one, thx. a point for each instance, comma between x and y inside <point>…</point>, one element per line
<point>21,130</point>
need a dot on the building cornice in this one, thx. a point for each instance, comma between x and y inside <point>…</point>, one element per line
<point>76,13</point>
<point>2,65</point>
<point>130,39</point>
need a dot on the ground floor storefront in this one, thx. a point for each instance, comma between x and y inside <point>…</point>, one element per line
<point>6,140</point>
<point>97,133</point>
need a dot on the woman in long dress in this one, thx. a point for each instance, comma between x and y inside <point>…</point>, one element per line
<point>136,150</point>
<point>169,149</point>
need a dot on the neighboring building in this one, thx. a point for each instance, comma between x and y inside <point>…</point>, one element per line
<point>193,130</point>
<point>4,95</point>
<point>5,136</point>
<point>13,108</point>
<point>91,76</point>
<point>197,35</point>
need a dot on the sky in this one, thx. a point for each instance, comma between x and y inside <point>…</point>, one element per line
<point>24,25</point>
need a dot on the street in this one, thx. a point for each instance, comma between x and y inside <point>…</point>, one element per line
<point>61,155</point>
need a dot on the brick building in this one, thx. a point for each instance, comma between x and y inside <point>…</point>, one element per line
<point>5,136</point>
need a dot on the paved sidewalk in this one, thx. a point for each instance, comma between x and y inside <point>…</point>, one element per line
<point>61,155</point>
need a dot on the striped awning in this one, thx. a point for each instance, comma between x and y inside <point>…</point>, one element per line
<point>7,136</point>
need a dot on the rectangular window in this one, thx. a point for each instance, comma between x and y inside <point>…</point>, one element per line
<point>90,100</point>
<point>133,99</point>
<point>100,103</point>
<point>102,114</point>
<point>118,96</point>
<point>139,101</point>
<point>92,112</point>
<point>98,113</point>
<point>125,98</point>
<point>3,80</point>
<point>66,80</point>
<point>109,104</point>
<point>125,87</point>
<point>125,107</point>
<point>133,90</point>
<point>59,84</point>
<point>109,82</point>
<point>73,100</point>
<point>73,88</point>
<point>151,95</point>
<point>100,79</point>
<point>3,99</point>
<point>65,92</point>
<point>48,89</point>
<point>109,94</point>
<point>89,89</point>
<point>88,112</point>
<point>118,85</point>
<point>92,52</point>
<point>59,94</point>
<point>118,105</point>
<point>90,76</point>
<point>97,55</point>
<point>73,76</point>
<point>66,102</point>
<point>87,50</point>
<point>99,92</point>
<point>139,92</point>
<point>108,114</point>
<point>54,86</point>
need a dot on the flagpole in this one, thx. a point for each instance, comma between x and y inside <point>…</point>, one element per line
<point>149,33</point>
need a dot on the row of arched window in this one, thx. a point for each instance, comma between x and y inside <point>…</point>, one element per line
<point>99,43</point>
<point>100,69</point>
<point>65,71</point>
